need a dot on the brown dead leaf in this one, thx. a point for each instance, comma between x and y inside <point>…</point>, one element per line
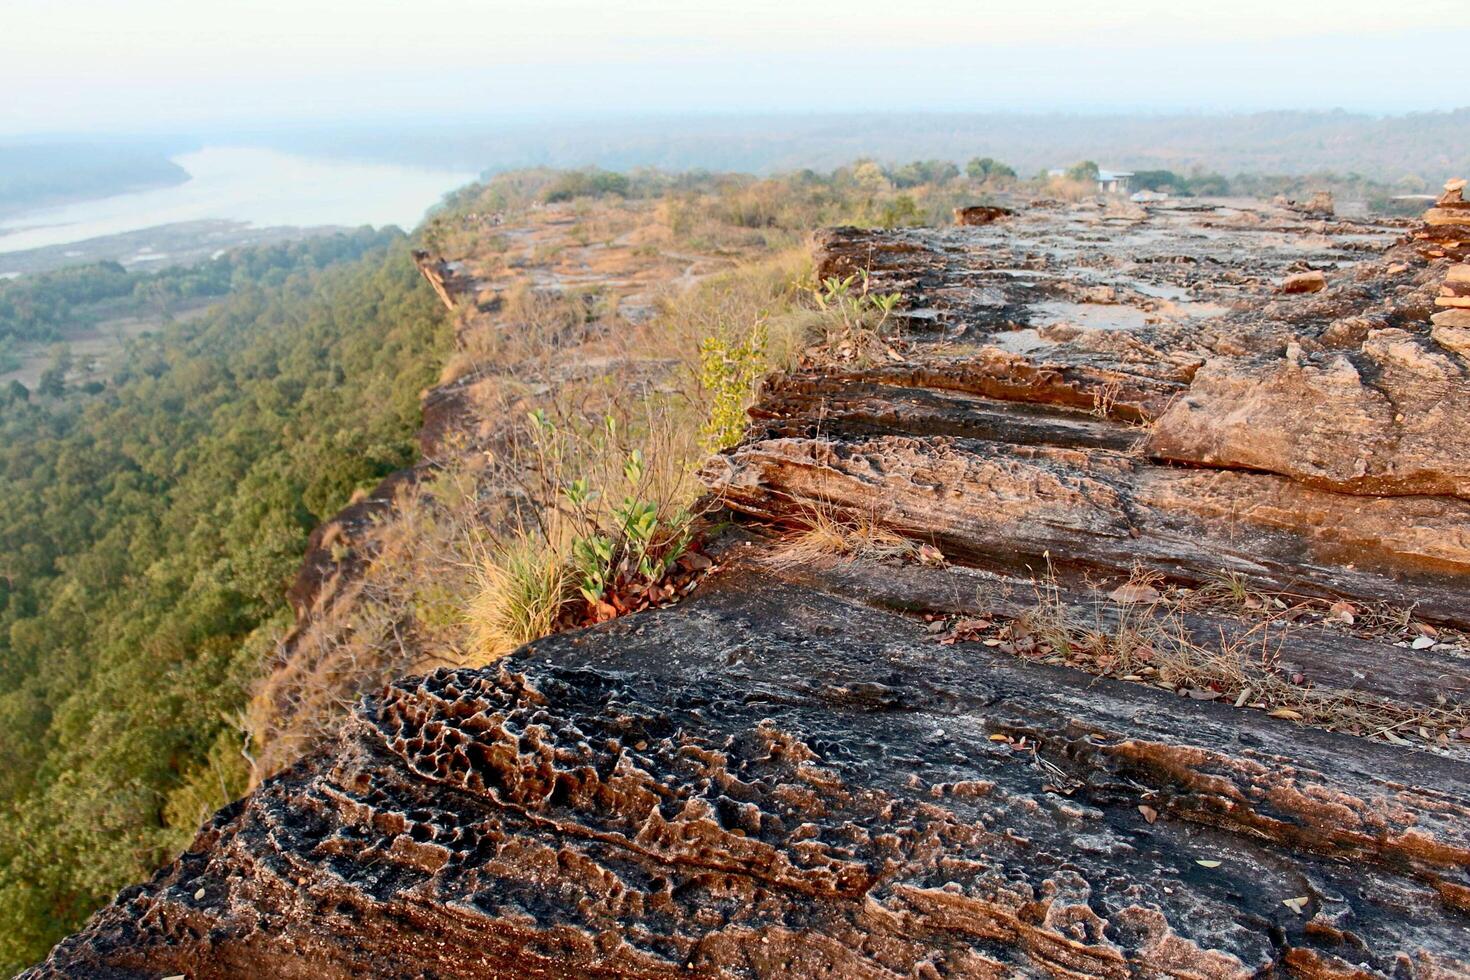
<point>1130,592</point>
<point>1149,813</point>
<point>930,555</point>
<point>1286,713</point>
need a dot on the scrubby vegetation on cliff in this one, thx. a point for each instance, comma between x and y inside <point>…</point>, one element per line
<point>622,332</point>
<point>146,541</point>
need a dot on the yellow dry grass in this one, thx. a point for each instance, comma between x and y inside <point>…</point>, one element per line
<point>520,588</point>
<point>825,534</point>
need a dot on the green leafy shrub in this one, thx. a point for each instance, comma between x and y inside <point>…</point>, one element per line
<point>728,374</point>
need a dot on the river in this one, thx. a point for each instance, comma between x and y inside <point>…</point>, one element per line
<point>264,188</point>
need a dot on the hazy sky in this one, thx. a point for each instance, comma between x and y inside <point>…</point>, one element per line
<point>119,65</point>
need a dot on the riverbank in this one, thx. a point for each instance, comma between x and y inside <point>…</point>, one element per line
<point>179,243</point>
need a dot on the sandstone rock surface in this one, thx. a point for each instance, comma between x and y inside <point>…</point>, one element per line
<point>991,756</point>
<point>775,782</point>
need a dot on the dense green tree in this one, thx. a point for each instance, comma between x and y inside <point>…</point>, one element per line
<point>1159,180</point>
<point>923,172</point>
<point>1209,185</point>
<point>986,168</point>
<point>1083,170</point>
<point>587,183</point>
<point>52,383</point>
<point>146,541</point>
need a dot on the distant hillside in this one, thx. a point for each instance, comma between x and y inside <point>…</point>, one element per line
<point>1429,145</point>
<point>38,174</point>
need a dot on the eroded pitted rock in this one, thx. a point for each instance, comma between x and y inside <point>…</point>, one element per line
<point>773,782</point>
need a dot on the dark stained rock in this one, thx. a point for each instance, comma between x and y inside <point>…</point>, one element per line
<point>980,214</point>
<point>771,781</point>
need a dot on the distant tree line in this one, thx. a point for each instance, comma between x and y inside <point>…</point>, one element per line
<point>49,305</point>
<point>37,174</point>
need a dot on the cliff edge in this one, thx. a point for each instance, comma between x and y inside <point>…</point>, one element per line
<point>1108,621</point>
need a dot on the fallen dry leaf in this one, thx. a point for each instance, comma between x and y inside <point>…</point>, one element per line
<point>1296,904</point>
<point>1149,813</point>
<point>1286,713</point>
<point>1208,864</point>
<point>1129,593</point>
<point>930,555</point>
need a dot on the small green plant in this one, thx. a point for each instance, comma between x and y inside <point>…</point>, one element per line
<point>627,547</point>
<point>853,316</point>
<point>610,551</point>
<point>855,308</point>
<point>729,373</point>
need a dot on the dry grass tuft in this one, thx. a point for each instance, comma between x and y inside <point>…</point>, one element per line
<point>824,535</point>
<point>1146,639</point>
<point>521,587</point>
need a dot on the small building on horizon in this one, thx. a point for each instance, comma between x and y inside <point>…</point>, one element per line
<point>1113,181</point>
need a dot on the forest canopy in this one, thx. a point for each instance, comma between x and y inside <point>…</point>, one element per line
<point>49,305</point>
<point>147,539</point>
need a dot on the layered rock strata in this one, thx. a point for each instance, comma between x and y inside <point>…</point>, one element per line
<point>901,767</point>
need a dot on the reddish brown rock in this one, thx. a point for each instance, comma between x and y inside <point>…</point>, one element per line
<point>1304,282</point>
<point>441,276</point>
<point>1446,229</point>
<point>1385,419</point>
<point>1319,205</point>
<point>980,214</point>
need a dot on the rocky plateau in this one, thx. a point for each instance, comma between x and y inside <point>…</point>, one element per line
<point>1164,671</point>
